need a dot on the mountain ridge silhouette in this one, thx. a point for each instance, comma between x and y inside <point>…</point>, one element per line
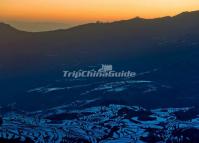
<point>97,42</point>
<point>135,19</point>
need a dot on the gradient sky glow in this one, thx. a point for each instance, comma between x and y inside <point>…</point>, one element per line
<point>82,11</point>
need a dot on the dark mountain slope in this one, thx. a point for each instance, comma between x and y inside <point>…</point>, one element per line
<point>118,40</point>
<point>169,44</point>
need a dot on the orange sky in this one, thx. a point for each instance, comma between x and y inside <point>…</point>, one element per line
<point>74,12</point>
<point>91,10</point>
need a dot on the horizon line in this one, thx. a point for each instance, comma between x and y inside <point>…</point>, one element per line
<point>77,25</point>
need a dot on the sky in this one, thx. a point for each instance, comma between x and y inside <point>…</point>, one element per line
<point>66,13</point>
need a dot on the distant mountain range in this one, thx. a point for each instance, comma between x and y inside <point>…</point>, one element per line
<point>169,44</point>
<point>40,26</point>
<point>97,42</point>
